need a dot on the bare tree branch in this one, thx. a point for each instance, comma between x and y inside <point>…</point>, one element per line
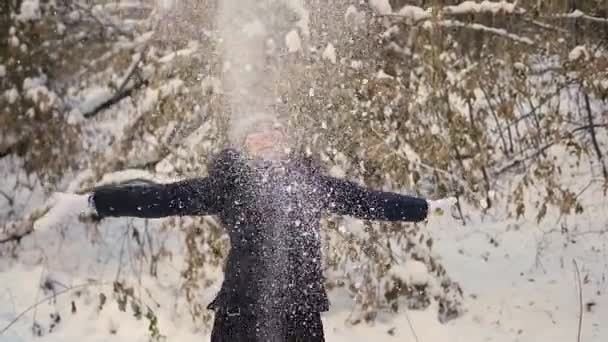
<point>577,14</point>
<point>9,199</point>
<point>14,234</point>
<point>593,136</point>
<point>123,90</point>
<point>580,300</point>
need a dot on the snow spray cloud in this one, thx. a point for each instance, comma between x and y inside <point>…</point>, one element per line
<point>252,32</point>
<point>243,33</point>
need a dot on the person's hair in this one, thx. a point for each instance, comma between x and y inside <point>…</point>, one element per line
<point>242,126</point>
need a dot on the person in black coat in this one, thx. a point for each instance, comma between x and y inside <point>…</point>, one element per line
<point>270,203</point>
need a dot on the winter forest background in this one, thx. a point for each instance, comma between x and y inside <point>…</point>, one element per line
<point>501,104</point>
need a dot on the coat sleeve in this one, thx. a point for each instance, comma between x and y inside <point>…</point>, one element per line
<point>199,196</point>
<point>347,198</point>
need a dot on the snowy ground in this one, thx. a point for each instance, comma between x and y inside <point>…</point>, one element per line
<point>518,277</point>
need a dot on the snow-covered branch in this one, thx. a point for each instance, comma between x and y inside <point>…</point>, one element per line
<point>577,14</point>
<point>478,27</point>
<point>102,20</point>
<point>493,7</point>
<point>417,14</point>
<point>15,231</point>
<point>124,90</point>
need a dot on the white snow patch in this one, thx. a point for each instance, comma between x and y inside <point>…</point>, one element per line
<point>42,96</point>
<point>382,7</point>
<point>14,41</point>
<point>479,27</point>
<point>93,97</point>
<point>304,18</point>
<point>519,66</point>
<point>330,53</point>
<point>74,15</point>
<point>166,5</point>
<point>127,175</point>
<point>414,13</point>
<point>484,6</point>
<point>11,95</point>
<point>74,117</point>
<point>29,10</point>
<point>388,111</point>
<point>350,12</point>
<point>427,25</point>
<point>382,75</point>
<point>412,271</point>
<point>409,153</point>
<point>293,41</point>
<point>577,53</point>
<point>2,70</point>
<point>149,100</point>
<point>576,14</point>
<point>62,206</point>
<point>33,82</point>
<point>337,171</point>
<point>60,29</point>
<point>435,129</point>
<point>192,48</point>
<point>354,17</point>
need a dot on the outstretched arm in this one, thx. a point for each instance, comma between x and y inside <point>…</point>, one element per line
<point>348,198</point>
<point>199,196</point>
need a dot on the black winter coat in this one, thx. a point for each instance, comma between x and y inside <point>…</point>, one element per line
<point>272,216</point>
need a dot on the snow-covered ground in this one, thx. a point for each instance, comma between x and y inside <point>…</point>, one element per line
<point>519,280</point>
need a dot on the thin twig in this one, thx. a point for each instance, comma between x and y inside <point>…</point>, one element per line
<point>497,31</point>
<point>7,197</point>
<point>123,91</point>
<point>587,127</point>
<point>580,300</point>
<point>544,25</point>
<point>409,322</point>
<point>495,116</point>
<point>593,137</point>
<point>35,305</point>
<point>130,71</point>
<point>16,236</point>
